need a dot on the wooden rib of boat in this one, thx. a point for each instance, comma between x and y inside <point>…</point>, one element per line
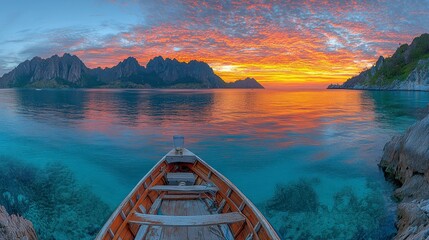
<point>182,197</point>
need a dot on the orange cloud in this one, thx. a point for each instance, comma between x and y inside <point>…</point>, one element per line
<point>277,42</point>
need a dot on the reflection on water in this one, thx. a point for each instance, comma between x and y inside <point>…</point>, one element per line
<point>258,138</point>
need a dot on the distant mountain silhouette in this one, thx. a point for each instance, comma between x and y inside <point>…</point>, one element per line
<point>69,71</point>
<point>245,83</point>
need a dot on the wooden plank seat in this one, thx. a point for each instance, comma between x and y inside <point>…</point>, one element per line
<point>178,177</point>
<point>143,229</point>
<point>184,197</point>
<point>193,188</point>
<point>186,221</point>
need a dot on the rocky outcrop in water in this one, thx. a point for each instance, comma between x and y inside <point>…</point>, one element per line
<point>406,69</point>
<point>245,83</point>
<point>70,72</point>
<point>406,159</point>
<point>14,227</point>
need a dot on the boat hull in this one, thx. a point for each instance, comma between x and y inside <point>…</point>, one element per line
<point>176,186</point>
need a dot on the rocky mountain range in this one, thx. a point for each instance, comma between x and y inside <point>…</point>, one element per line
<point>406,69</point>
<point>69,71</point>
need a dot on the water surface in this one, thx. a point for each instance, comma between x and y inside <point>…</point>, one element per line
<point>324,144</point>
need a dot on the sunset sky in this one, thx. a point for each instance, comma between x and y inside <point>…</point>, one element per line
<point>279,43</point>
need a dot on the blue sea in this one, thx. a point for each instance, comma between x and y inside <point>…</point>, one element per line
<point>308,159</point>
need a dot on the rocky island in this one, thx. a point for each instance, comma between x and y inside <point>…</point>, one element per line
<point>69,71</point>
<point>406,161</point>
<point>406,69</point>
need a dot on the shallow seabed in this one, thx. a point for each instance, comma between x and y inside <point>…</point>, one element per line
<point>307,159</point>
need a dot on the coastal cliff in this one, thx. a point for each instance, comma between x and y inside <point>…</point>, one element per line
<point>406,69</point>
<point>406,160</point>
<point>14,227</point>
<point>68,71</point>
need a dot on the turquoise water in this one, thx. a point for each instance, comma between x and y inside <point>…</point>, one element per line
<point>321,145</point>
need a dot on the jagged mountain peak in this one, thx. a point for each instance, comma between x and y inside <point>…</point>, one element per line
<point>157,59</point>
<point>126,68</point>
<point>130,61</point>
<point>193,72</point>
<point>68,67</point>
<point>69,71</point>
<point>36,58</point>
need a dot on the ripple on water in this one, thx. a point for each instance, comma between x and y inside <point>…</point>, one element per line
<point>108,139</point>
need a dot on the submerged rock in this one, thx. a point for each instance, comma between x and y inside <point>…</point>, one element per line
<point>51,198</point>
<point>13,227</point>
<point>406,159</point>
<point>298,214</point>
<point>295,197</point>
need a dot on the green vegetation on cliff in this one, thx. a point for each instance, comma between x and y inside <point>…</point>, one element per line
<point>402,62</point>
<point>396,71</point>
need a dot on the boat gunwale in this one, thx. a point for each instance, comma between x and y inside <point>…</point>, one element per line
<point>264,222</point>
<point>115,213</point>
<point>270,230</point>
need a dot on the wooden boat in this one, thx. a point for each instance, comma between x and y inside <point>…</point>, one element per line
<point>182,197</point>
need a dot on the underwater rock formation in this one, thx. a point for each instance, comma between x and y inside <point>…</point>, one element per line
<point>51,199</point>
<point>406,159</point>
<point>14,227</point>
<point>295,197</point>
<point>350,217</point>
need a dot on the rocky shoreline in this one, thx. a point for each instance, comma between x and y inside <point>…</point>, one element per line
<point>406,160</point>
<point>417,80</point>
<point>14,227</point>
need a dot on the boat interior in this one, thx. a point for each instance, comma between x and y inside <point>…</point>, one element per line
<point>184,198</point>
